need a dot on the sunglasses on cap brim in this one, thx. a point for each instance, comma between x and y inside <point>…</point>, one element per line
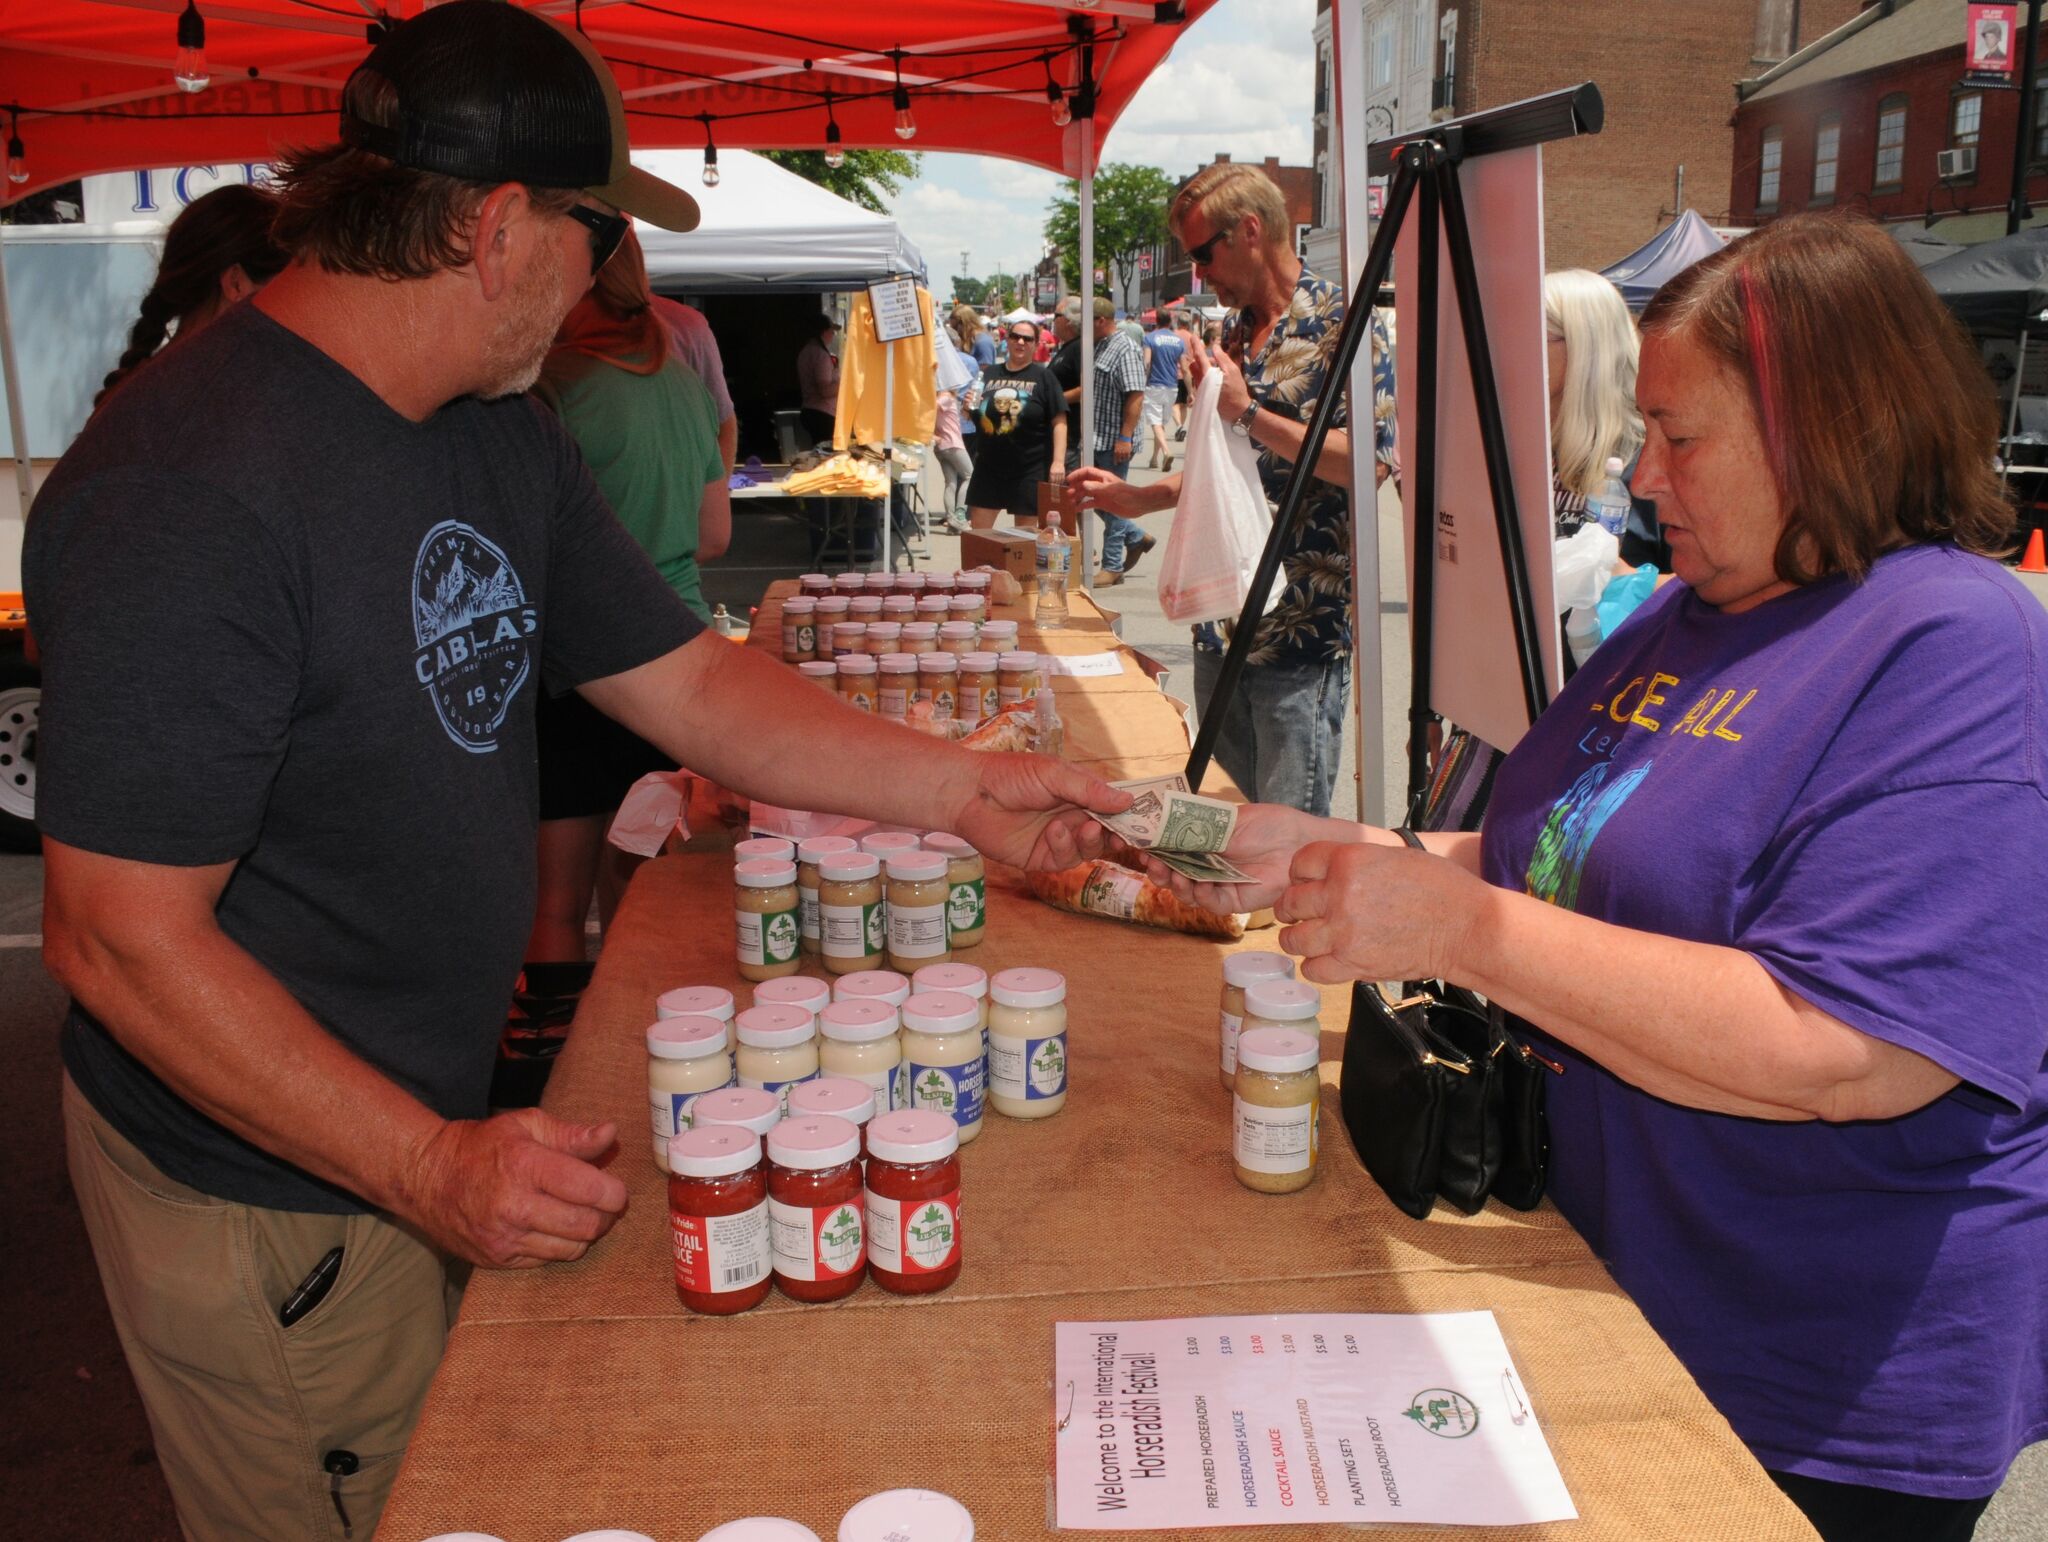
<point>606,232</point>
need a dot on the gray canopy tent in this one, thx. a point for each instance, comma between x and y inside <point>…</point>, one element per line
<point>1999,289</point>
<point>1669,252</point>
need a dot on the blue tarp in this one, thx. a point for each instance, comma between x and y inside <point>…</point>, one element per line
<point>1668,253</point>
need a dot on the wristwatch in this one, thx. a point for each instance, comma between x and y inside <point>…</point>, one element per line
<point>1243,426</point>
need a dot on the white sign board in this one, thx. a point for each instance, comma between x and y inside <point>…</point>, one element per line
<point>1475,680</point>
<point>1349,1419</point>
<point>896,313</point>
<point>160,194</point>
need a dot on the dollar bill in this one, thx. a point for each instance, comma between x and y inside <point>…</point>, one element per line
<point>1182,828</point>
<point>1203,866</point>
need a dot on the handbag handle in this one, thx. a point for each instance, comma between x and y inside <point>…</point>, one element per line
<point>1410,837</point>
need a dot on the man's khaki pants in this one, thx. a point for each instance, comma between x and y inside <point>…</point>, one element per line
<point>245,1411</point>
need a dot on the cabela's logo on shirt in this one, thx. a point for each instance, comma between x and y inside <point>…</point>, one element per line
<point>474,631</point>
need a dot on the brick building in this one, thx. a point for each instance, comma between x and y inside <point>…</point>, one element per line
<point>1878,117</point>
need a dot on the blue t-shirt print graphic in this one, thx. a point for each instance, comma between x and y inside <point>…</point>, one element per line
<point>474,631</point>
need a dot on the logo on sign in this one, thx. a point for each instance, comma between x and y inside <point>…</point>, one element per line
<point>1443,1412</point>
<point>474,632</point>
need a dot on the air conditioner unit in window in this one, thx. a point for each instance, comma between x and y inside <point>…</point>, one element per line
<point>1951,164</point>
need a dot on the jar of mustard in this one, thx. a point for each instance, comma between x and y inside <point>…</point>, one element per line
<point>1017,679</point>
<point>978,681</point>
<point>799,629</point>
<point>956,638</point>
<point>849,637</point>
<point>917,909</point>
<point>897,684</point>
<point>857,682</point>
<point>1274,1110</point>
<point>938,682</point>
<point>966,890</point>
<point>808,856</point>
<point>850,917</point>
<point>768,918</point>
<point>1239,971</point>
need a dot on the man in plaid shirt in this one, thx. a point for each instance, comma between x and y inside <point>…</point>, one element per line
<point>1119,398</point>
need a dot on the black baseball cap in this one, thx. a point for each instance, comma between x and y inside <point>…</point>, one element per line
<point>492,93</point>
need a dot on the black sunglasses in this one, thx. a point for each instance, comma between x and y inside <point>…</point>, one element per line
<point>1200,255</point>
<point>606,232</point>
<point>1023,337</point>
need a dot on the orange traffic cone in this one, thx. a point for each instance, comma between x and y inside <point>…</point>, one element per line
<point>2034,561</point>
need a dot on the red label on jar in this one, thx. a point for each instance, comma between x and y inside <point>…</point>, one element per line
<point>718,1253</point>
<point>914,1236</point>
<point>825,1242</point>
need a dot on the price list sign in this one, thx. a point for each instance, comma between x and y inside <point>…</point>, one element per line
<point>1343,1419</point>
<point>896,312</point>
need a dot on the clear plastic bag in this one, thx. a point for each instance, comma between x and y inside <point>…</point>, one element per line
<point>1583,562</point>
<point>1221,522</point>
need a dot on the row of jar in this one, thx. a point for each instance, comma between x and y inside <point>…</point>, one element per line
<point>960,1044</point>
<point>969,687</point>
<point>894,1515</point>
<point>827,898</point>
<point>814,586</point>
<point>1270,1055</point>
<point>812,629</point>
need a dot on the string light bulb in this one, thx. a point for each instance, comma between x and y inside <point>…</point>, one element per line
<point>189,69</point>
<point>710,155</point>
<point>906,125</point>
<point>835,150</point>
<point>17,155</point>
<point>1062,114</point>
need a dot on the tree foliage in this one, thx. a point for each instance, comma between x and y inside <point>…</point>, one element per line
<point>1130,216</point>
<point>870,178</point>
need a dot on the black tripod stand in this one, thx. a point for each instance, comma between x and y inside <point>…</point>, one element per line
<point>1425,171</point>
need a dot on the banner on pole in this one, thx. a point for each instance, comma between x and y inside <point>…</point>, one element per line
<point>1988,46</point>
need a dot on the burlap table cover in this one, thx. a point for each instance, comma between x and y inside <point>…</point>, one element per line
<point>583,1395</point>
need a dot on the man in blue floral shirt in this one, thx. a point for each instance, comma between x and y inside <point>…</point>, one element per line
<point>1283,730</point>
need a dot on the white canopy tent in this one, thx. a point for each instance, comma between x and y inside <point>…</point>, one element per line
<point>768,231</point>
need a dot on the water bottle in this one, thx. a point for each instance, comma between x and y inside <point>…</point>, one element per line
<point>1055,559</point>
<point>1611,504</point>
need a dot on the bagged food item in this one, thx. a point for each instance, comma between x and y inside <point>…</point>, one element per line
<point>1103,888</point>
<point>1013,728</point>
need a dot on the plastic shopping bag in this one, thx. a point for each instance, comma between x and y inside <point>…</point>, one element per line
<point>1582,562</point>
<point>1221,523</point>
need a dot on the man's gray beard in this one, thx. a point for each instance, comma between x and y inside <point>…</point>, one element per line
<point>519,344</point>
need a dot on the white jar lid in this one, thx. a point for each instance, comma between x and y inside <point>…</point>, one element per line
<point>957,629</point>
<point>848,866</point>
<point>845,629</point>
<point>772,874</point>
<point>919,631</point>
<point>748,1107</point>
<point>979,663</point>
<point>765,848</point>
<point>818,847</point>
<point>713,1151</point>
<point>940,578</point>
<point>1277,1049</point>
<point>686,1038</point>
<point>941,1012</point>
<point>1283,1000</point>
<point>808,1144</point>
<point>899,663</point>
<point>832,604</point>
<point>968,980</point>
<point>932,605</point>
<point>865,605</point>
<point>884,985</point>
<point>938,663</point>
<point>799,605</point>
<point>951,845</point>
<point>899,605</point>
<point>760,1528</point>
<point>1028,988</point>
<point>849,581</point>
<point>971,579</point>
<point>962,602</point>
<point>1015,661</point>
<point>907,1515</point>
<point>878,580</point>
<point>910,580</point>
<point>858,1021</point>
<point>857,664</point>
<point>796,990</point>
<point>775,1027</point>
<point>814,579</point>
<point>883,842</point>
<point>465,1536</point>
<point>818,669</point>
<point>917,866</point>
<point>1243,969</point>
<point>840,1096</point>
<point>885,629</point>
<point>913,1135</point>
<point>695,1001</point>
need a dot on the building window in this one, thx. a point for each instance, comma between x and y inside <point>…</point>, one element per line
<point>1383,53</point>
<point>1827,155</point>
<point>1421,30</point>
<point>2041,118</point>
<point>1771,165</point>
<point>1967,119</point>
<point>1891,142</point>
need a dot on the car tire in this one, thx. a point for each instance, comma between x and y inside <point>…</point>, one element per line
<point>21,696</point>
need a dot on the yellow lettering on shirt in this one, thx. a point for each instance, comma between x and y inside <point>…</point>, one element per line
<point>1614,707</point>
<point>1692,717</point>
<point>1651,699</point>
<point>1704,725</point>
<point>1721,729</point>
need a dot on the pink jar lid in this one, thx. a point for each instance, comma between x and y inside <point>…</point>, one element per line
<point>819,847</point>
<point>771,848</point>
<point>685,1038</point>
<point>882,842</point>
<point>695,1001</point>
<point>808,1144</point>
<point>960,979</point>
<point>775,1027</point>
<point>858,1020</point>
<point>1028,988</point>
<point>884,985</point>
<point>713,1151</point>
<point>748,1107</point>
<point>840,1096</point>
<point>799,991</point>
<point>912,1135</point>
<point>917,866</point>
<point>941,1012</point>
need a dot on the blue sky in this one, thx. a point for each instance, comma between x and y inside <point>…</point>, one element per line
<point>1240,80</point>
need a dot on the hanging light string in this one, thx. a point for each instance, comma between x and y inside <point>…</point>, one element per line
<point>17,153</point>
<point>188,69</point>
<point>710,153</point>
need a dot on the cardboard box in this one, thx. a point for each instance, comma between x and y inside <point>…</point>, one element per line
<point>1011,551</point>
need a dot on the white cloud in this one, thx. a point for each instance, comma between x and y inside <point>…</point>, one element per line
<point>1241,81</point>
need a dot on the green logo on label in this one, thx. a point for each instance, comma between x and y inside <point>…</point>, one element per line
<point>963,906</point>
<point>779,937</point>
<point>935,1091</point>
<point>929,1235</point>
<point>1443,1412</point>
<point>839,1240</point>
<point>872,923</point>
<point>1049,1068</point>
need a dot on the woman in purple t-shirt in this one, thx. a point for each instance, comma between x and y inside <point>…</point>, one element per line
<point>1770,880</point>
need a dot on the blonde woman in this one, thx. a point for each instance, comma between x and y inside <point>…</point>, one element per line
<point>1593,351</point>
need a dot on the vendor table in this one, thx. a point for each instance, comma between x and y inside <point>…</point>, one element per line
<point>583,1395</point>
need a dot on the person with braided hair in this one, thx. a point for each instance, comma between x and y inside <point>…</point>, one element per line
<point>217,252</point>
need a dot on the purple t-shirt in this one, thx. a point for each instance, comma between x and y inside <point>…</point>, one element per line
<point>1850,783</point>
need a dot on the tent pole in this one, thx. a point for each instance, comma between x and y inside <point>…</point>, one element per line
<point>2019,376</point>
<point>888,452</point>
<point>1085,528</point>
<point>17,420</point>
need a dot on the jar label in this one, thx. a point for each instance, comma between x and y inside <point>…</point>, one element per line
<point>952,1090</point>
<point>883,1083</point>
<point>913,1236</point>
<point>852,931</point>
<point>944,701</point>
<point>895,701</point>
<point>672,1111</point>
<point>860,701</point>
<point>1112,891</point>
<point>967,905</point>
<point>899,1092</point>
<point>780,1089</point>
<point>822,1242</point>
<point>1229,1026</point>
<point>799,639</point>
<point>1008,696</point>
<point>1028,1068</point>
<point>768,939</point>
<point>807,914</point>
<point>1275,1140</point>
<point>917,931</point>
<point>990,700</point>
<point>717,1253</point>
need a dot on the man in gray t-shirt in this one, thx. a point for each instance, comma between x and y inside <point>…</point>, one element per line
<point>297,588</point>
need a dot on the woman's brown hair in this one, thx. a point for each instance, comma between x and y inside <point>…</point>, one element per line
<point>1878,420</point>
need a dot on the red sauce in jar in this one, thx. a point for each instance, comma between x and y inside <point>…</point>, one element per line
<point>913,1201</point>
<point>817,1230</point>
<point>718,1219</point>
